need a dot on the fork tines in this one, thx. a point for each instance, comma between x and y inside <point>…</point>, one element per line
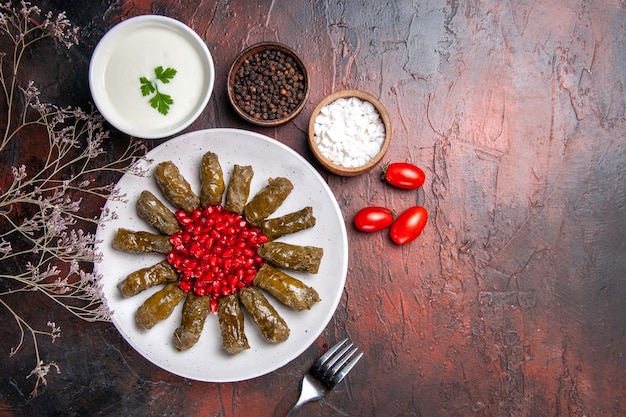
<point>332,367</point>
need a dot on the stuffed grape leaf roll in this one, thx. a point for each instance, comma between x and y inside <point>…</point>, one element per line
<point>141,242</point>
<point>238,189</point>
<point>267,200</point>
<point>175,187</point>
<point>231,321</point>
<point>159,306</point>
<point>145,278</point>
<point>287,289</point>
<point>270,323</point>
<point>195,311</point>
<point>212,180</point>
<point>287,224</point>
<point>294,257</point>
<point>156,214</point>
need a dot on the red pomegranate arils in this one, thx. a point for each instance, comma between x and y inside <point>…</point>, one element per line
<point>214,253</point>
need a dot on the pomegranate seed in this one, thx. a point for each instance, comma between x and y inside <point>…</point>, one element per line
<point>227,264</point>
<point>215,252</point>
<point>232,281</point>
<point>185,221</point>
<point>175,239</point>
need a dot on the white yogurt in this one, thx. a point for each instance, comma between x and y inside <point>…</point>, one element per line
<point>127,54</point>
<point>349,132</point>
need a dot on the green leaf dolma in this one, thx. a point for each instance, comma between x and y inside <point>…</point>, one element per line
<point>175,188</point>
<point>156,214</point>
<point>287,289</point>
<point>294,257</point>
<point>270,323</point>
<point>145,278</point>
<point>141,242</point>
<point>238,189</point>
<point>159,306</point>
<point>231,321</point>
<point>287,224</point>
<point>195,311</point>
<point>212,180</point>
<point>266,201</point>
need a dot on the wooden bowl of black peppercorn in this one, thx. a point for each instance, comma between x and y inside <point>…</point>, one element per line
<point>268,84</point>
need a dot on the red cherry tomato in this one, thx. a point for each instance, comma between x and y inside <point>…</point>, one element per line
<point>373,219</point>
<point>409,225</point>
<point>404,175</point>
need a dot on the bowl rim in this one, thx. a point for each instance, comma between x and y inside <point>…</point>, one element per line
<point>384,116</point>
<point>117,32</point>
<point>260,46</point>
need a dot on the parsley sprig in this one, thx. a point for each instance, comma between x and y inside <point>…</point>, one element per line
<point>160,101</point>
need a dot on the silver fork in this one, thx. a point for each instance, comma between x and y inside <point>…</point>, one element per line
<point>329,370</point>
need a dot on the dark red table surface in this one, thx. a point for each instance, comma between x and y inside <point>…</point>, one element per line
<point>513,300</point>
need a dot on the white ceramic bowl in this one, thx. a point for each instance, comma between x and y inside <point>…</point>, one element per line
<point>135,48</point>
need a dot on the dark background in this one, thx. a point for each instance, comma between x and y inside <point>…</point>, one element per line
<point>513,300</point>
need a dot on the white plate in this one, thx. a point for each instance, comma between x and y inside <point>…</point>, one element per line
<point>207,361</point>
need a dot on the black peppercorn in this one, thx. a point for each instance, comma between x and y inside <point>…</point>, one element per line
<point>269,85</point>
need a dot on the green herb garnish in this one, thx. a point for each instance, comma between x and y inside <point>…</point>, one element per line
<point>160,101</point>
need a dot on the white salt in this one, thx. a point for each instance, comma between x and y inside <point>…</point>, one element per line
<point>349,132</point>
